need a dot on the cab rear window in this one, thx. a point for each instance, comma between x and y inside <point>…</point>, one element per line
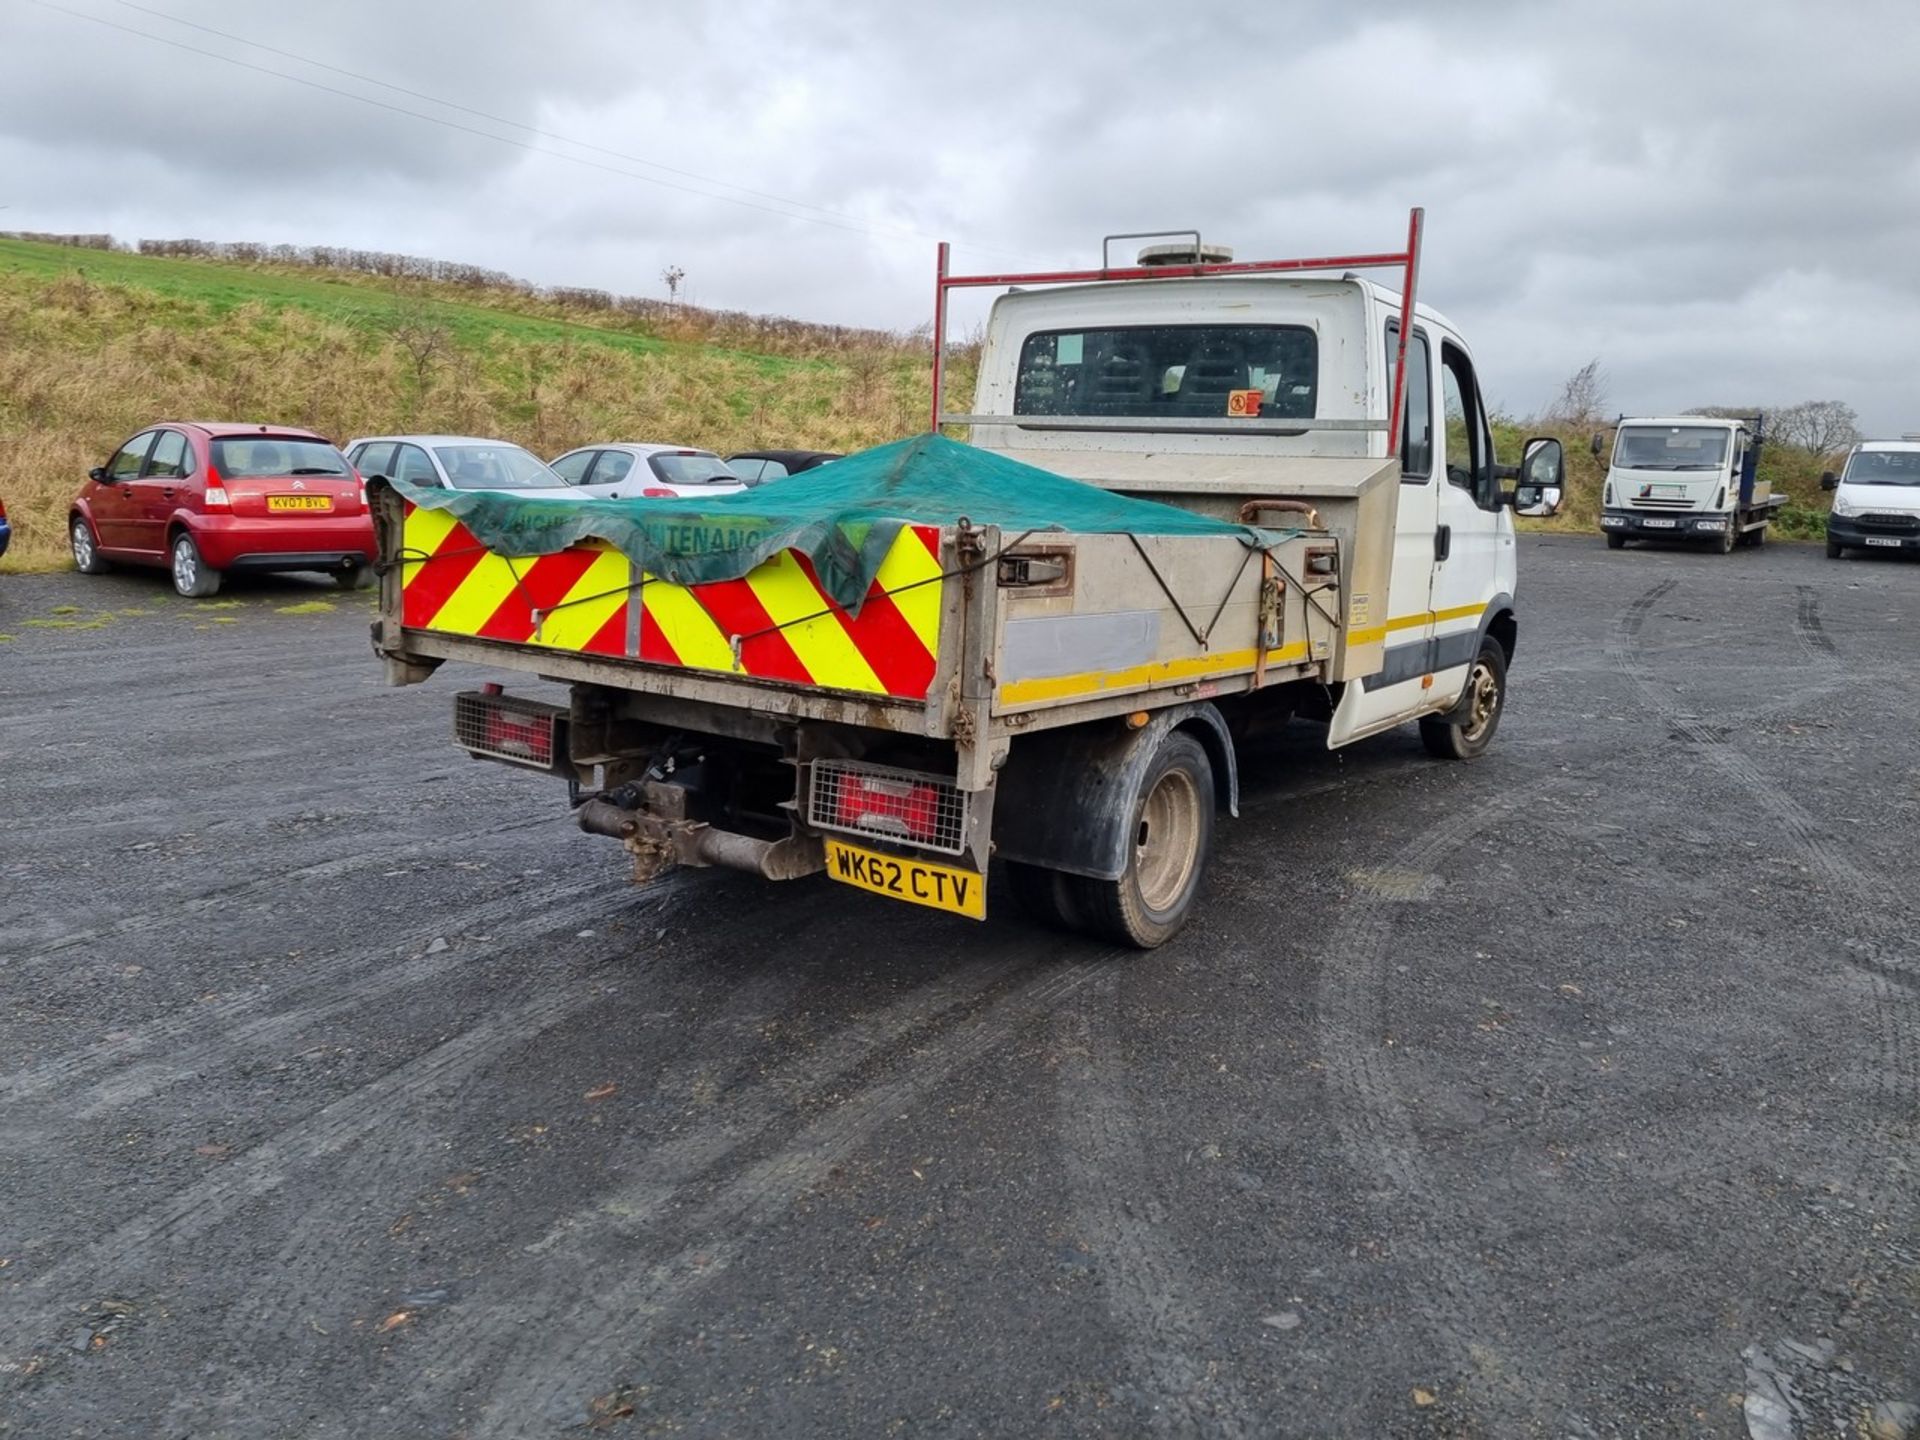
<point>1168,370</point>
<point>273,455</point>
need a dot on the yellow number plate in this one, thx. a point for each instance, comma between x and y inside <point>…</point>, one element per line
<point>299,502</point>
<point>940,887</point>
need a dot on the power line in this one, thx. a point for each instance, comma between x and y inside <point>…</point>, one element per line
<point>827,218</point>
<point>503,120</point>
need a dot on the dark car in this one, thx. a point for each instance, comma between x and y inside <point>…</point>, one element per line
<point>199,499</point>
<point>6,530</point>
<point>756,467</point>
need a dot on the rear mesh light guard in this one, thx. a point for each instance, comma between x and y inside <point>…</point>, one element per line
<point>882,802</point>
<point>508,728</point>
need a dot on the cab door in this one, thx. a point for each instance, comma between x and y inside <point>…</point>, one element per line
<point>1473,555</point>
<point>1380,701</point>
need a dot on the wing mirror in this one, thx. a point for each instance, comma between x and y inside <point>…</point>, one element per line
<point>98,474</point>
<point>1598,444</point>
<point>1829,481</point>
<point>1542,482</point>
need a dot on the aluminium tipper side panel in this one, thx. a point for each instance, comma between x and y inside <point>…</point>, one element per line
<point>1357,500</point>
<point>1156,615</point>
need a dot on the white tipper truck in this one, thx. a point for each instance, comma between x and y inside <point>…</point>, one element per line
<point>1064,699</point>
<point>1689,477</point>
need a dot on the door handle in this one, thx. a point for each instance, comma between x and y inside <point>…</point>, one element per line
<point>167,494</point>
<point>1443,542</point>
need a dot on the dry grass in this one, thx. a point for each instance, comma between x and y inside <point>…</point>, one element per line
<point>86,362</point>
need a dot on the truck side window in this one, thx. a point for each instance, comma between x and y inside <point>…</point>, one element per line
<point>1416,450</point>
<point>1469,447</point>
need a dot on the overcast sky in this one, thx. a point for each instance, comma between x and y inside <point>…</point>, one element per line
<point>1721,202</point>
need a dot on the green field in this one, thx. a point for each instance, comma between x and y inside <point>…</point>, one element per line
<point>96,344</point>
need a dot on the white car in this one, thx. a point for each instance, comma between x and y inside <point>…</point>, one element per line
<point>1876,499</point>
<point>622,471</point>
<point>453,462</point>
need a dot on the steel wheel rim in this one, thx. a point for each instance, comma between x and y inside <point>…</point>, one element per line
<point>1483,693</point>
<point>185,567</point>
<point>1166,842</point>
<point>82,544</point>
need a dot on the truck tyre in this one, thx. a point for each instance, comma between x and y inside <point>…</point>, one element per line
<point>1616,541</point>
<point>1835,550</point>
<point>1724,545</point>
<point>1172,840</point>
<point>1046,895</point>
<point>1755,537</point>
<point>192,576</point>
<point>86,549</point>
<point>1465,731</point>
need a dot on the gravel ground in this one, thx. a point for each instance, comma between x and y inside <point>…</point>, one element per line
<point>347,1090</point>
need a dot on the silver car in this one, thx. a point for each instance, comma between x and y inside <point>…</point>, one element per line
<point>453,462</point>
<point>624,470</point>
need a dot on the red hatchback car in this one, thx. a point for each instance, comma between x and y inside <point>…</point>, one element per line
<point>201,499</point>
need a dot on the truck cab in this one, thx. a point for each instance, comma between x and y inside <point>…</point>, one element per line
<point>1689,477</point>
<point>1131,387</point>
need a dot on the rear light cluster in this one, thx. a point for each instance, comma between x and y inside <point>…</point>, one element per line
<point>879,800</point>
<point>490,724</point>
<point>215,497</point>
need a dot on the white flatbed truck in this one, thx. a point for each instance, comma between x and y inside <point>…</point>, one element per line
<point>1075,713</point>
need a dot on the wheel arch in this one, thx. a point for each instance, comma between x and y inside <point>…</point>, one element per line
<point>1076,788</point>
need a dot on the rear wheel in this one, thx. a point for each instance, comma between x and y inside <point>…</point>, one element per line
<point>359,577</point>
<point>1616,541</point>
<point>1465,731</point>
<point>86,549</point>
<point>1172,832</point>
<point>192,576</point>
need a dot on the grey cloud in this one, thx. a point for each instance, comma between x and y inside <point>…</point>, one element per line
<point>1715,198</point>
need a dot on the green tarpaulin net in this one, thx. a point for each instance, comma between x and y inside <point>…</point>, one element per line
<point>844,516</point>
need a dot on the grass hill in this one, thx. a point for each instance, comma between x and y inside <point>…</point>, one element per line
<point>97,342</point>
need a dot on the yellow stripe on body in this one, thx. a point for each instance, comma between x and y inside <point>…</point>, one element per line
<point>910,563</point>
<point>1195,667</point>
<point>821,642</point>
<point>486,587</point>
<point>578,618</point>
<point>687,627</point>
<point>1410,622</point>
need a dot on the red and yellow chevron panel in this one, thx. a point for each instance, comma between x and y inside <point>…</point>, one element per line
<point>590,599</point>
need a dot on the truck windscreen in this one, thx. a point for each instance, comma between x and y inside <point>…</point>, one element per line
<point>1671,447</point>
<point>1168,370</point>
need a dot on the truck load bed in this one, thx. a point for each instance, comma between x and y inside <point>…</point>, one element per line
<point>924,587</point>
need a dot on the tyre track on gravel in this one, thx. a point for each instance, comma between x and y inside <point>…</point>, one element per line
<point>1889,972</point>
<point>1377,1129</point>
<point>469,1334</point>
<point>1151,1294</point>
<point>31,1316</point>
<point>570,1357</point>
<point>325,986</point>
<point>268,887</point>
